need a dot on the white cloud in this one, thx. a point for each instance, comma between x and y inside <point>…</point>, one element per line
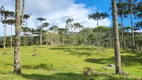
<point>56,12</point>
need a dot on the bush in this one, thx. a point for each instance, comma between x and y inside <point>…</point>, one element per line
<point>139,54</point>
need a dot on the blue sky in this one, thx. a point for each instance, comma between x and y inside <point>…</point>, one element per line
<point>102,6</point>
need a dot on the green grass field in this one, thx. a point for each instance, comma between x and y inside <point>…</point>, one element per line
<point>64,62</point>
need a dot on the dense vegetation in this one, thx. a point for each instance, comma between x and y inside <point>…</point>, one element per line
<point>100,36</point>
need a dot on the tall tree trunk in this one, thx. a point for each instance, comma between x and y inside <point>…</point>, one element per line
<point>122,26</point>
<point>132,30</point>
<point>116,39</point>
<point>31,39</point>
<point>97,22</point>
<point>17,61</point>
<point>11,39</point>
<point>22,16</point>
<point>23,7</point>
<point>25,39</point>
<point>40,37</point>
<point>4,36</point>
<point>5,31</point>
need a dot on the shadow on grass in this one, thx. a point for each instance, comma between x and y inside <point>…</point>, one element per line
<point>56,76</point>
<point>81,53</point>
<point>88,49</point>
<point>73,76</point>
<point>126,51</point>
<point>132,60</point>
<point>77,51</point>
<point>126,60</point>
<point>100,60</point>
<point>108,76</point>
<point>40,66</point>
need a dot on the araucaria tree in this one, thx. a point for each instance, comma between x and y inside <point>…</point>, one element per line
<point>78,26</point>
<point>139,15</point>
<point>26,17</point>
<point>131,6</point>
<point>116,39</point>
<point>17,61</point>
<point>22,12</point>
<point>54,29</point>
<point>40,28</point>
<point>25,30</point>
<point>122,13</point>
<point>98,16</point>
<point>69,24</point>
<point>10,22</point>
<point>4,15</point>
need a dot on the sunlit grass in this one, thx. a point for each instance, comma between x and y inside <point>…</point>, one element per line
<point>66,62</point>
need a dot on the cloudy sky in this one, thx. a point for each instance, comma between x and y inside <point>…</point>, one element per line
<point>58,11</point>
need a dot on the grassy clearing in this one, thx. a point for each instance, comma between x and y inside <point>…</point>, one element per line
<point>65,62</point>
